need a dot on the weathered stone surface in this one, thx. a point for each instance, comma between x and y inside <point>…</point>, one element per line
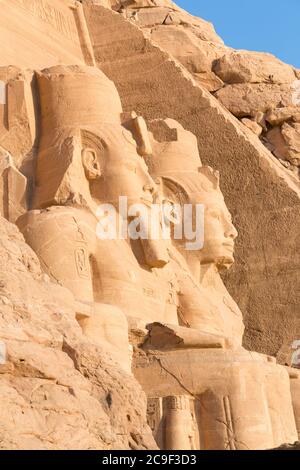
<point>58,390</point>
<point>202,53</point>
<point>286,142</point>
<point>278,116</point>
<point>196,55</point>
<point>278,144</point>
<point>165,337</point>
<point>291,135</point>
<point>47,27</point>
<point>246,99</point>
<point>253,126</point>
<point>166,373</point>
<point>13,188</point>
<point>167,13</point>
<point>17,127</point>
<point>209,80</point>
<point>253,67</point>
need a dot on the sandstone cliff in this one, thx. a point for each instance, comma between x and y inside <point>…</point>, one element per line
<point>58,390</point>
<point>255,87</point>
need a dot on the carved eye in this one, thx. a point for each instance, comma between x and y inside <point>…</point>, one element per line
<point>216,214</point>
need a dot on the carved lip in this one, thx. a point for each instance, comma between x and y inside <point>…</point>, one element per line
<point>229,244</point>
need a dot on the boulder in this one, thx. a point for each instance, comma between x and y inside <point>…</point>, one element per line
<point>291,135</point>
<point>253,67</point>
<point>286,142</point>
<point>279,115</point>
<point>196,55</point>
<point>277,143</point>
<point>253,126</point>
<point>245,99</point>
<point>209,80</point>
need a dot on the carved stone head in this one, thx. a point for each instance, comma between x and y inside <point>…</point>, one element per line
<point>85,154</point>
<point>186,181</point>
<point>88,153</point>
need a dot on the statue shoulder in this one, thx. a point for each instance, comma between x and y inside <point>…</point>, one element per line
<point>59,221</point>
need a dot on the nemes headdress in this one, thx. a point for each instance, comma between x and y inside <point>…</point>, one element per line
<point>72,99</point>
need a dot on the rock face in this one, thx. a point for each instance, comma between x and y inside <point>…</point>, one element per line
<point>246,99</point>
<point>114,336</point>
<point>253,67</point>
<point>246,83</point>
<point>258,84</point>
<point>286,142</point>
<point>58,390</point>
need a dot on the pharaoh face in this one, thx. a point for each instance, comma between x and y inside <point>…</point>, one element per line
<point>114,167</point>
<point>219,231</point>
<point>84,147</point>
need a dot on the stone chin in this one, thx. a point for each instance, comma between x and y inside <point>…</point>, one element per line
<point>226,259</point>
<point>224,262</point>
<point>220,254</point>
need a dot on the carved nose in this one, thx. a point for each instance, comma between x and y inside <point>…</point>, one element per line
<point>231,232</point>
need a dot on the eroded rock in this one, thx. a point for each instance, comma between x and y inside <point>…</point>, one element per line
<point>246,99</point>
<point>55,383</point>
<point>253,67</point>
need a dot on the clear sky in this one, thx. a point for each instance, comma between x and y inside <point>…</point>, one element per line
<point>259,25</point>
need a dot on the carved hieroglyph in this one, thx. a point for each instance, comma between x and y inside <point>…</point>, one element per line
<point>173,422</point>
<point>47,37</point>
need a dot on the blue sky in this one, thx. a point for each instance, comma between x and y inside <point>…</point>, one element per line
<point>259,25</point>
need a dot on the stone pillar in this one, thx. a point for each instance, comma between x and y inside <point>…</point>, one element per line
<point>178,423</point>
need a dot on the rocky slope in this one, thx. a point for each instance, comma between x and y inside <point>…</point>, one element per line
<point>255,87</point>
<point>58,390</point>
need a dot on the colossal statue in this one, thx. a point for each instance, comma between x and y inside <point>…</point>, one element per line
<point>205,303</point>
<point>204,390</point>
<point>87,157</point>
<point>250,407</point>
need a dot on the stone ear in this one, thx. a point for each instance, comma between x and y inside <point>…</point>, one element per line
<point>91,163</point>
